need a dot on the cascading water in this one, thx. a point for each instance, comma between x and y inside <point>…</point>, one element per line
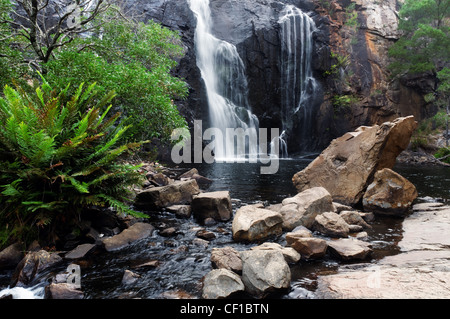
<point>297,81</point>
<point>226,85</point>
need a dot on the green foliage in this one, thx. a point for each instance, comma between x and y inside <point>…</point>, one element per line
<point>425,44</point>
<point>351,16</point>
<point>443,154</point>
<point>341,62</point>
<point>11,66</point>
<point>344,101</point>
<point>59,154</point>
<point>133,59</point>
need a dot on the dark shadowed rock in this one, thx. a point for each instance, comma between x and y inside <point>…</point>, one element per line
<point>180,192</point>
<point>11,256</point>
<point>33,264</point>
<point>216,205</point>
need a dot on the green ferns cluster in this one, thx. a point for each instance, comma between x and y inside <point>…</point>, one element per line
<point>59,154</point>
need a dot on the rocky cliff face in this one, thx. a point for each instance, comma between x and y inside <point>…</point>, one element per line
<point>360,90</point>
<point>350,58</point>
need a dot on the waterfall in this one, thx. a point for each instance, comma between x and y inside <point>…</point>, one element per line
<point>297,82</point>
<point>223,73</point>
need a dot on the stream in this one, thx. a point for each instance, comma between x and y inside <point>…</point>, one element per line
<point>178,263</point>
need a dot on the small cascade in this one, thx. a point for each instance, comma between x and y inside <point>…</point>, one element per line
<point>36,292</point>
<point>223,72</point>
<point>297,81</point>
<point>282,146</point>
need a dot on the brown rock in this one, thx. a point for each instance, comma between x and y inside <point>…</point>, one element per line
<point>331,224</point>
<point>133,233</point>
<point>302,209</point>
<point>347,166</point>
<point>227,258</point>
<point>216,205</point>
<point>251,223</point>
<point>62,291</point>
<point>349,248</point>
<point>308,247</point>
<point>180,192</point>
<point>389,194</point>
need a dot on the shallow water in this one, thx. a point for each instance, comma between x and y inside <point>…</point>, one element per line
<point>182,262</point>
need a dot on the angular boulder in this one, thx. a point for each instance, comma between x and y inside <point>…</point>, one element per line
<point>308,247</point>
<point>226,258</point>
<point>216,205</point>
<point>347,166</point>
<point>302,209</point>
<point>290,254</point>
<point>251,223</point>
<point>80,251</point>
<point>389,194</point>
<point>331,224</point>
<point>62,291</point>
<point>181,211</point>
<point>128,236</point>
<point>264,271</point>
<point>179,192</point>
<point>221,283</point>
<point>354,218</point>
<point>349,248</point>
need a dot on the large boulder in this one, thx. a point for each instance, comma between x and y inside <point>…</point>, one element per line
<point>331,224</point>
<point>390,194</point>
<point>216,205</point>
<point>302,209</point>
<point>221,283</point>
<point>179,192</point>
<point>251,223</point>
<point>264,271</point>
<point>349,163</point>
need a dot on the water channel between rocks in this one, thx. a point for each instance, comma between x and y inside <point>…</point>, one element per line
<point>178,263</point>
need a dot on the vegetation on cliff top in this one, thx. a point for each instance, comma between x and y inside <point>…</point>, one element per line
<point>424,47</point>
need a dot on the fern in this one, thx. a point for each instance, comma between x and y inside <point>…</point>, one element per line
<point>58,156</point>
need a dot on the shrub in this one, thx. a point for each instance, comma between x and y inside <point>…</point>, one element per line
<point>443,154</point>
<point>59,155</point>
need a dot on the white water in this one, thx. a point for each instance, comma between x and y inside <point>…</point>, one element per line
<point>36,292</point>
<point>297,81</point>
<point>223,72</point>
